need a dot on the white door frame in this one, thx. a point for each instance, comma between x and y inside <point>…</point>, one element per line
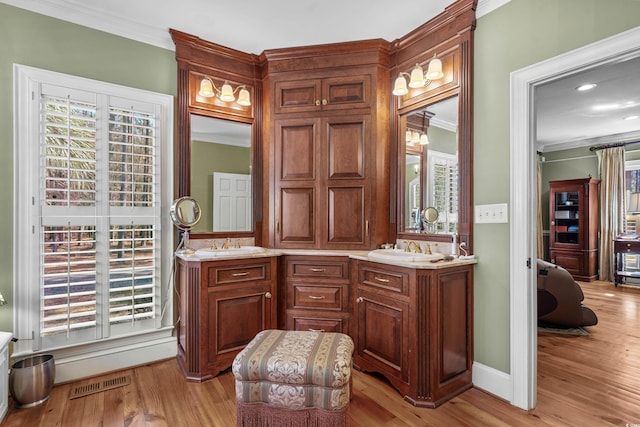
<point>523,301</point>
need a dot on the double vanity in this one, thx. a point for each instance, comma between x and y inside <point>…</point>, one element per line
<point>411,321</point>
<point>331,157</point>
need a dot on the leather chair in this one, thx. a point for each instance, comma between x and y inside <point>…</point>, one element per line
<point>560,298</point>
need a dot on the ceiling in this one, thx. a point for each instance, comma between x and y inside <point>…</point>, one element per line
<point>568,118</point>
<point>565,118</point>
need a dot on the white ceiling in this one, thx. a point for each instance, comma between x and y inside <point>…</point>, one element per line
<point>565,118</point>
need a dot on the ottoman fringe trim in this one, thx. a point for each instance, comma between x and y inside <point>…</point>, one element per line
<point>263,415</point>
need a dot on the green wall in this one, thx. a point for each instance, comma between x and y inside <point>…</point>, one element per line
<point>207,158</point>
<point>39,41</point>
<point>514,36</point>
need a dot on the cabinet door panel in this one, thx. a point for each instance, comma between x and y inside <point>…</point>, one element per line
<point>346,139</point>
<point>383,325</point>
<point>346,210</point>
<point>235,317</point>
<point>297,224</point>
<point>454,325</point>
<point>297,96</point>
<point>346,92</point>
<point>295,144</point>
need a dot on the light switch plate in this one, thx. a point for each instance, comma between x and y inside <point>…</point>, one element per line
<point>491,213</point>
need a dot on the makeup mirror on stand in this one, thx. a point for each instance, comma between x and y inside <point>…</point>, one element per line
<point>185,213</point>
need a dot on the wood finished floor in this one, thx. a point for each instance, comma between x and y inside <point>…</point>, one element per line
<point>589,380</point>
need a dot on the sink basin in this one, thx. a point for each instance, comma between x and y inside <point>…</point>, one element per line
<point>401,255</point>
<point>243,250</point>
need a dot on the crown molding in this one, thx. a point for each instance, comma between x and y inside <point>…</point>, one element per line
<point>111,22</point>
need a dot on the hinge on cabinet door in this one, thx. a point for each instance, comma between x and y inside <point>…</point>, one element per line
<point>529,263</point>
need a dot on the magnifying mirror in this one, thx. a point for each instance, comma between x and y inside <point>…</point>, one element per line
<point>185,213</point>
<point>430,216</point>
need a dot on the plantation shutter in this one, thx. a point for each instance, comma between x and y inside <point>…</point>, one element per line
<point>98,216</point>
<point>443,177</point>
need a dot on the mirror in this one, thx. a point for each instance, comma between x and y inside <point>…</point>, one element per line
<point>185,213</point>
<point>429,172</point>
<point>221,178</point>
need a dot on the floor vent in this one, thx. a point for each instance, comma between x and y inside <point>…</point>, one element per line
<point>99,386</point>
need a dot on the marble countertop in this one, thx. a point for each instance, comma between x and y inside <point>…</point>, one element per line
<point>360,255</point>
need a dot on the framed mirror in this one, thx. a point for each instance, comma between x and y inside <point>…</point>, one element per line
<point>221,174</point>
<point>429,178</point>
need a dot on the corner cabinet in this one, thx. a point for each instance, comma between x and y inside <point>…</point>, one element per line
<point>222,305</point>
<point>415,327</point>
<point>328,166</point>
<point>573,219</point>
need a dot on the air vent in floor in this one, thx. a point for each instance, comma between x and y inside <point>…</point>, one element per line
<point>99,386</point>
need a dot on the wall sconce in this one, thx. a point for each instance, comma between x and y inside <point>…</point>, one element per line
<point>413,137</point>
<point>226,93</point>
<point>418,78</point>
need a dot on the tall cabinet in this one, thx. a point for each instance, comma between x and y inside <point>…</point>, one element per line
<point>573,220</point>
<point>329,162</point>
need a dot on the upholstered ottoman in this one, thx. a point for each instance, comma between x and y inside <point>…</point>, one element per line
<point>294,378</point>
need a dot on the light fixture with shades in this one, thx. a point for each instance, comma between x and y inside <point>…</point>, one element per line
<point>418,78</point>
<point>227,94</point>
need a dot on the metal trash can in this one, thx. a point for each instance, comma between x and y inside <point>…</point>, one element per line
<point>31,380</point>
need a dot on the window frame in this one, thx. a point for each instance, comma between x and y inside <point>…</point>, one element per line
<point>27,81</point>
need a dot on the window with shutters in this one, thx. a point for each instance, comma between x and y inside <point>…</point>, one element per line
<point>443,190</point>
<point>91,181</point>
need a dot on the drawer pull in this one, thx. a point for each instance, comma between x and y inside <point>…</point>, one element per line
<point>268,295</point>
<point>316,297</point>
<point>359,300</point>
<point>318,270</point>
<point>380,279</point>
<point>240,274</point>
<point>316,330</point>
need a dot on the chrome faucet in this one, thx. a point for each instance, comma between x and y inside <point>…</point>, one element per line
<point>416,247</point>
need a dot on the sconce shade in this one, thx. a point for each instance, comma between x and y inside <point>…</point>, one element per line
<point>415,136</point>
<point>417,77</point>
<point>243,97</point>
<point>400,86</point>
<point>435,69</point>
<point>407,136</point>
<point>206,88</point>
<point>634,203</point>
<point>424,139</point>
<point>226,93</point>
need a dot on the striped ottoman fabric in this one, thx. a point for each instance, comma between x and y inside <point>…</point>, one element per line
<point>294,378</point>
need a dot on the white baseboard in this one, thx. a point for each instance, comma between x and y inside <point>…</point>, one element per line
<point>492,381</point>
<point>96,363</point>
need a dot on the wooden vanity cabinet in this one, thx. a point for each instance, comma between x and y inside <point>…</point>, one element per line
<point>316,293</point>
<point>222,306</point>
<point>415,327</point>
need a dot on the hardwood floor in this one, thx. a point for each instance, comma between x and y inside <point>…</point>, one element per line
<point>589,380</point>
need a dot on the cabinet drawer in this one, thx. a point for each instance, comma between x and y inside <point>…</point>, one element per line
<point>385,279</point>
<point>318,269</point>
<point>319,324</point>
<point>317,297</point>
<point>225,275</point>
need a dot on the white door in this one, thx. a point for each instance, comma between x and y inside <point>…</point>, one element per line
<point>231,202</point>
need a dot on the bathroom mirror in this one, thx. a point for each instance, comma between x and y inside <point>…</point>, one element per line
<point>429,173</point>
<point>221,174</point>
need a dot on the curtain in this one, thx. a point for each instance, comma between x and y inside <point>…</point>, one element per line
<point>612,206</point>
<point>540,240</point>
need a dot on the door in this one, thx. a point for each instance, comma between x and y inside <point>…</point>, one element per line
<point>231,202</point>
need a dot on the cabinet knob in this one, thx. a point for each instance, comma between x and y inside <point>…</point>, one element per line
<point>324,102</point>
<point>268,295</point>
<point>317,102</point>
<point>359,300</point>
